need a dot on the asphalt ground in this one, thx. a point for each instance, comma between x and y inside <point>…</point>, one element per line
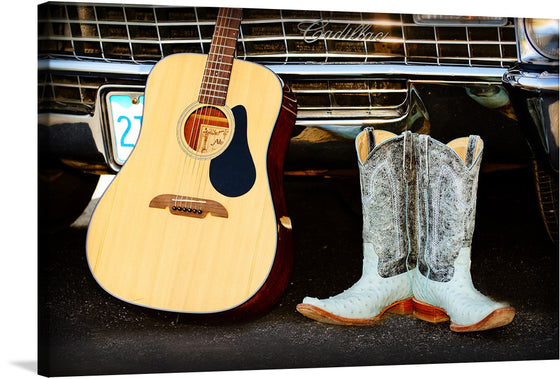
<point>85,331</point>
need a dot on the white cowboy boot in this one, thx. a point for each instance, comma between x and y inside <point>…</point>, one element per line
<point>385,284</point>
<point>446,185</point>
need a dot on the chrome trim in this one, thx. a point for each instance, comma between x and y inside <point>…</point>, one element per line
<point>547,81</point>
<point>343,123</point>
<point>359,91</point>
<point>316,69</point>
<point>408,70</point>
<point>97,67</point>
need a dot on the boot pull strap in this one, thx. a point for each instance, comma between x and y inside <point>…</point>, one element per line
<point>370,132</point>
<point>423,141</point>
<point>408,157</point>
<point>471,149</point>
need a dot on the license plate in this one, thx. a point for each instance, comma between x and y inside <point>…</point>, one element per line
<point>125,119</point>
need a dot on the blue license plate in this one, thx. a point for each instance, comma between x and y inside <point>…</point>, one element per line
<point>125,120</point>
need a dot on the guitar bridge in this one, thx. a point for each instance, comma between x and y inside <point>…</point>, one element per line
<point>188,206</point>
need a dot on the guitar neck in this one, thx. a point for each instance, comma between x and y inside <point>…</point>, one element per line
<point>215,81</point>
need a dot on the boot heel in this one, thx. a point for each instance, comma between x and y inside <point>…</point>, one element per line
<point>402,307</point>
<point>429,313</point>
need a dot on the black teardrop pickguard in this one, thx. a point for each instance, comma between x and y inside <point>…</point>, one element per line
<point>232,173</point>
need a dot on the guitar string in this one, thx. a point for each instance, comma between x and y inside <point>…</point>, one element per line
<point>180,183</point>
<point>209,87</point>
<point>179,198</point>
<point>218,84</point>
<point>198,117</point>
<point>195,124</point>
<point>215,81</point>
<point>223,57</point>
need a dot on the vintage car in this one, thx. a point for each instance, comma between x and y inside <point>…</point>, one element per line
<point>442,75</point>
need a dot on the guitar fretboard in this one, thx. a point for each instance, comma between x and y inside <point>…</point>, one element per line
<point>215,81</point>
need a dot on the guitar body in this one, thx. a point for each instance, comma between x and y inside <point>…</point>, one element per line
<point>232,250</point>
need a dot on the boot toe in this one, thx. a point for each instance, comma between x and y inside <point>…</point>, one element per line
<point>318,313</point>
<point>341,309</point>
<point>498,317</point>
<point>473,311</point>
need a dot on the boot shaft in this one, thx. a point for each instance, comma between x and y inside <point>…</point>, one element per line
<point>447,182</point>
<point>386,179</point>
<point>418,199</point>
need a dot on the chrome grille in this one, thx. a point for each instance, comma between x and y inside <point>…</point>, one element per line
<point>345,99</point>
<point>147,33</point>
<point>317,99</point>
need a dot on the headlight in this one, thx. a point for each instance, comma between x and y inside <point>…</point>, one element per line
<point>543,36</point>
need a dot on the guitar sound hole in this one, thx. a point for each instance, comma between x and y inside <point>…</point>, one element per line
<point>206,130</point>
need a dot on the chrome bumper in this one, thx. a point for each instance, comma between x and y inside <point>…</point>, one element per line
<point>416,71</point>
<point>545,81</point>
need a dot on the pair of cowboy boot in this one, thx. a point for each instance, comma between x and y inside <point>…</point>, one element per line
<point>418,205</point>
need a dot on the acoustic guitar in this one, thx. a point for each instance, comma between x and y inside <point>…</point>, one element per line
<point>195,221</point>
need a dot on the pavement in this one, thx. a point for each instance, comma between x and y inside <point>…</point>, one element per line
<point>85,331</point>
